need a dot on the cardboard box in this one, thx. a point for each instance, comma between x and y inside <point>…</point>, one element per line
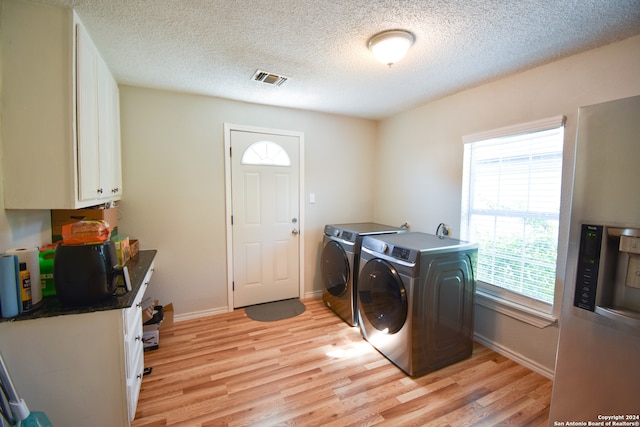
<point>134,244</point>
<point>60,217</point>
<point>151,329</point>
<point>168,317</point>
<point>122,249</point>
<point>148,306</point>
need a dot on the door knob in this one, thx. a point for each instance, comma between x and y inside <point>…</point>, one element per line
<point>295,232</point>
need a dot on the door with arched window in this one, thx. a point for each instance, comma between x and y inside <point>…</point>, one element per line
<point>265,213</point>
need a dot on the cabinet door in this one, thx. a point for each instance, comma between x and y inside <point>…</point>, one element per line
<point>87,117</point>
<point>109,134</point>
<point>115,168</point>
<point>116,157</point>
<point>98,115</point>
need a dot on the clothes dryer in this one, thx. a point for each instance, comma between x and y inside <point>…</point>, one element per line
<point>340,263</point>
<point>415,299</point>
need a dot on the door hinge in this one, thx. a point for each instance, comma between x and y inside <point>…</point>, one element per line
<point>229,151</point>
<point>231,219</point>
<point>233,286</point>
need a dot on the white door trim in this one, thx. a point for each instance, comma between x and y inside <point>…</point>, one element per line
<point>228,127</point>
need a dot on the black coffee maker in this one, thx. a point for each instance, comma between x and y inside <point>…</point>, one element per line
<point>85,274</point>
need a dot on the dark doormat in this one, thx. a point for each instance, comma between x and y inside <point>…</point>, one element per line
<point>278,310</point>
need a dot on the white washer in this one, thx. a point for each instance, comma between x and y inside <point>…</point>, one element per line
<point>340,263</point>
<point>415,299</point>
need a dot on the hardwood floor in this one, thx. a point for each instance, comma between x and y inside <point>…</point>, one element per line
<point>315,370</point>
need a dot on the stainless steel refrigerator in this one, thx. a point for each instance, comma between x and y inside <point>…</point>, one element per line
<point>597,377</point>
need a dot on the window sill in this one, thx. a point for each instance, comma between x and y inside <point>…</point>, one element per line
<point>517,311</point>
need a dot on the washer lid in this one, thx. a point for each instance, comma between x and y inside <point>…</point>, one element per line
<point>408,246</point>
<point>350,232</point>
<point>363,228</point>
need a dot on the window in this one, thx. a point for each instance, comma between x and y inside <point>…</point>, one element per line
<point>266,153</point>
<point>511,206</point>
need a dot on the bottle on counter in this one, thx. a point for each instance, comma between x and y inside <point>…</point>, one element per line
<point>25,287</point>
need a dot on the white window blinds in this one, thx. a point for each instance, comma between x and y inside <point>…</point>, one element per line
<point>511,205</point>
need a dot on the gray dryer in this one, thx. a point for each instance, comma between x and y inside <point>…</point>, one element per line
<point>340,263</point>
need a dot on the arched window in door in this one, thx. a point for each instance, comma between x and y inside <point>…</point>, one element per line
<point>265,153</point>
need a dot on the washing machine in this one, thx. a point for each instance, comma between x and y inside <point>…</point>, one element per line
<point>415,299</point>
<point>340,262</point>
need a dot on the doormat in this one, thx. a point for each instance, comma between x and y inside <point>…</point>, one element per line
<point>278,310</point>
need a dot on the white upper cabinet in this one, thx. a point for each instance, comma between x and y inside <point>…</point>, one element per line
<point>61,119</point>
<point>97,114</point>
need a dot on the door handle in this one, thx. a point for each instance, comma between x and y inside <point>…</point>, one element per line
<point>295,232</point>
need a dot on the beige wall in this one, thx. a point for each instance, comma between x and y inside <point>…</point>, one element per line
<point>174,188</point>
<point>20,228</point>
<point>427,142</point>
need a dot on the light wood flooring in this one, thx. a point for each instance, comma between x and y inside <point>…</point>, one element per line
<point>315,370</point>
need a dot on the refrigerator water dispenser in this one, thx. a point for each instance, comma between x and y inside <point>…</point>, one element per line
<point>608,279</point>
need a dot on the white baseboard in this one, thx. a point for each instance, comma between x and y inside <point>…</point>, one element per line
<point>314,294</point>
<point>516,357</point>
<point>199,314</point>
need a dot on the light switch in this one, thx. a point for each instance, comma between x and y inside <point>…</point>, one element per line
<point>312,197</point>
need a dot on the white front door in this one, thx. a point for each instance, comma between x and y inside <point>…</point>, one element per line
<point>265,216</point>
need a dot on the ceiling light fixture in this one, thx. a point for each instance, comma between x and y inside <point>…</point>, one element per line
<point>391,46</point>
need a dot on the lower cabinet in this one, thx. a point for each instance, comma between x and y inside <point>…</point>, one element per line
<point>134,348</point>
<point>79,369</point>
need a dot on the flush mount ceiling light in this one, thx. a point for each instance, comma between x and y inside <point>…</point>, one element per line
<point>391,46</point>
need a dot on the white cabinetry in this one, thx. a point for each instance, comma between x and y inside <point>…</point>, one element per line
<point>61,120</point>
<point>97,114</point>
<point>81,369</point>
<point>134,347</point>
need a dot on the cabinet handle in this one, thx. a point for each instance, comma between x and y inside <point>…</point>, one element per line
<point>115,190</point>
<point>139,376</point>
<point>99,190</point>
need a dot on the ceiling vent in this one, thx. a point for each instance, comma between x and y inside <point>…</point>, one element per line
<point>269,78</point>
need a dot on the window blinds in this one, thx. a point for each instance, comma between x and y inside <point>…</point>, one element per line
<point>511,204</point>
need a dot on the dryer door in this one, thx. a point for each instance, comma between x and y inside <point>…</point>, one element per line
<point>335,269</point>
<point>382,296</point>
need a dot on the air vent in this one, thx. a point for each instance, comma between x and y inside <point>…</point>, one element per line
<point>269,78</point>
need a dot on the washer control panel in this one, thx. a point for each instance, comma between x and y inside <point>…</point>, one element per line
<point>390,250</point>
<point>401,253</point>
<point>339,233</point>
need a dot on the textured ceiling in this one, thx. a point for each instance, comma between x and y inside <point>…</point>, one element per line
<point>214,47</point>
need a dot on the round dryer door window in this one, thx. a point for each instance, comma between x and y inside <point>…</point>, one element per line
<point>382,296</point>
<point>335,269</point>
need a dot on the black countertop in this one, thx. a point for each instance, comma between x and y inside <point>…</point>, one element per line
<point>138,267</point>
